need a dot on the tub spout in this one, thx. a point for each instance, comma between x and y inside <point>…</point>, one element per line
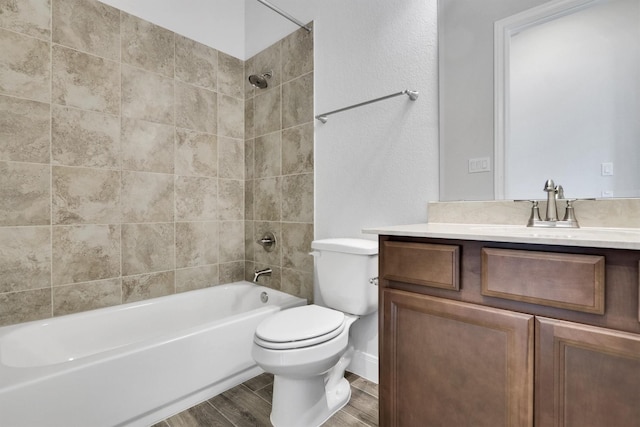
<point>258,273</point>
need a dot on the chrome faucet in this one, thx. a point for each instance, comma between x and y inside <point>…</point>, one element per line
<point>554,192</point>
<point>552,207</point>
<point>264,271</point>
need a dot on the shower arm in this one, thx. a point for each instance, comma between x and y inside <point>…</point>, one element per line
<point>281,12</point>
<point>412,94</point>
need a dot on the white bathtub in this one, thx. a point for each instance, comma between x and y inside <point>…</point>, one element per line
<point>132,364</point>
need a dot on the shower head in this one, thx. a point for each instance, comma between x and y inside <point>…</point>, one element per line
<point>260,81</point>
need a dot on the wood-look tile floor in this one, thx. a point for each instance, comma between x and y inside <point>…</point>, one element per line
<point>249,405</point>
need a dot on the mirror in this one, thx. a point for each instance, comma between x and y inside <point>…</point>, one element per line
<point>565,103</point>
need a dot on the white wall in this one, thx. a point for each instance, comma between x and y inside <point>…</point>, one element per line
<point>378,164</point>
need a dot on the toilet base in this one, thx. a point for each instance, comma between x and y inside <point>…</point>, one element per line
<point>306,402</point>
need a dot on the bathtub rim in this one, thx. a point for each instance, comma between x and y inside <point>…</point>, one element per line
<point>15,377</point>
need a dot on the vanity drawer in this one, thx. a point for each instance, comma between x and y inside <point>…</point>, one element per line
<point>422,264</point>
<point>568,281</point>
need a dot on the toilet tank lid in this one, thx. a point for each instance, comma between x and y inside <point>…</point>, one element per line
<point>347,245</point>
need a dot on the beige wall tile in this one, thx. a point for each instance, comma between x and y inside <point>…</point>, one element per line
<point>147,96</point>
<point>196,198</point>
<point>85,196</point>
<point>297,101</point>
<point>297,149</point>
<point>25,194</point>
<point>230,117</point>
<point>267,116</point>
<point>86,296</point>
<point>231,158</point>
<point>297,54</point>
<point>231,272</point>
<point>147,248</point>
<point>249,159</point>
<point>296,245</point>
<point>196,63</point>
<point>19,307</point>
<point>190,279</point>
<point>298,283</point>
<point>145,286</point>
<point>196,153</point>
<point>230,199</point>
<point>85,138</point>
<point>297,198</point>
<point>196,108</point>
<point>249,119</point>
<point>24,130</point>
<point>232,241</point>
<point>105,131</point>
<point>197,243</point>
<point>230,75</point>
<point>85,252</point>
<point>147,146</point>
<point>87,25</point>
<point>250,244</point>
<point>85,81</point>
<point>146,45</point>
<point>267,199</point>
<point>147,197</point>
<point>249,202</point>
<point>267,155</point>
<point>24,66</point>
<point>26,258</point>
<point>32,17</point>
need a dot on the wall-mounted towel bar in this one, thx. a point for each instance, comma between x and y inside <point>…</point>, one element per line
<point>412,94</point>
<point>284,14</point>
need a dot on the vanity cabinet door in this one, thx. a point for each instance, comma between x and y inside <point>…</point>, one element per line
<point>448,363</point>
<point>586,376</point>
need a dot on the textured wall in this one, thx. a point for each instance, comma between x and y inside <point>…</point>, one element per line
<point>279,164</point>
<point>121,160</point>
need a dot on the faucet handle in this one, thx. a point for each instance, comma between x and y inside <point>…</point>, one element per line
<point>535,213</point>
<point>570,214</point>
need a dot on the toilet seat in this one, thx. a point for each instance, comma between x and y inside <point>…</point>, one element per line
<point>299,327</point>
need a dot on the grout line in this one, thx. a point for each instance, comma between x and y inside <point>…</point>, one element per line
<point>51,158</point>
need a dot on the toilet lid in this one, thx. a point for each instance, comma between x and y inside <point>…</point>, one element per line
<point>300,327</point>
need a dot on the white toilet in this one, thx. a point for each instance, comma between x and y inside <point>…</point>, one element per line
<point>307,348</point>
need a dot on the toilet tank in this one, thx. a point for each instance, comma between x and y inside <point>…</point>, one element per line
<point>345,269</point>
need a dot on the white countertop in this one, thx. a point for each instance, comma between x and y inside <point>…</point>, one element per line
<point>615,238</point>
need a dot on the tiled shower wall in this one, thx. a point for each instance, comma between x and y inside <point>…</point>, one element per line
<point>122,164</point>
<point>279,164</point>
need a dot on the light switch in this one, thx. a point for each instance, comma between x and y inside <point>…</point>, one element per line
<point>607,169</point>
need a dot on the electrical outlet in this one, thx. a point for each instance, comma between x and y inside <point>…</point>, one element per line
<point>480,164</point>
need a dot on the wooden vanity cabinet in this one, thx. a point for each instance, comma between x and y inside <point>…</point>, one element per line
<point>465,357</point>
<point>448,363</point>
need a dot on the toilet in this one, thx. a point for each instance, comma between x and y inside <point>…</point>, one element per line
<point>308,348</point>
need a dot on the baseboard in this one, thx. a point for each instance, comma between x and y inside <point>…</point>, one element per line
<point>364,365</point>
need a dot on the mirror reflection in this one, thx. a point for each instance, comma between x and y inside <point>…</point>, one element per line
<point>567,98</point>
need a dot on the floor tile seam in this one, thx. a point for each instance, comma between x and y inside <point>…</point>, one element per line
<point>219,411</point>
<point>355,418</point>
<point>261,397</point>
<point>364,391</point>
